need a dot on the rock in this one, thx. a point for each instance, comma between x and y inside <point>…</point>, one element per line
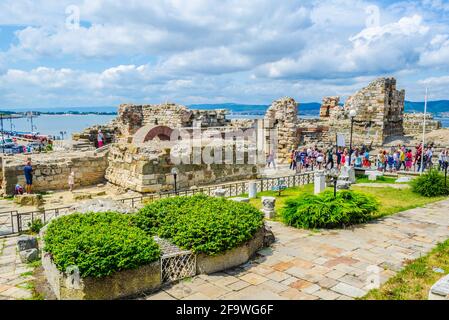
<point>29,200</point>
<point>81,196</point>
<point>252,189</point>
<point>220,192</point>
<point>30,255</point>
<point>268,204</point>
<point>268,238</point>
<point>26,243</point>
<point>372,177</point>
<point>343,185</point>
<point>319,182</point>
<point>403,179</point>
<point>239,199</point>
<point>101,205</point>
<point>440,290</point>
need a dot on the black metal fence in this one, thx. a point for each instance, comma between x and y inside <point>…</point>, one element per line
<point>13,222</point>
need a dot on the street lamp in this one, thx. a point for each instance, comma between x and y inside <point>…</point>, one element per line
<point>174,172</point>
<point>352,115</point>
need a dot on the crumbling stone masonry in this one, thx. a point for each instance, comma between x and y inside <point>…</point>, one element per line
<point>148,168</point>
<point>132,117</point>
<point>51,171</point>
<point>328,104</point>
<point>282,116</point>
<point>413,124</point>
<point>380,111</point>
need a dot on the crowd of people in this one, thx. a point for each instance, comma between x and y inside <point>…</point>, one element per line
<point>391,160</point>
<point>314,158</point>
<point>402,158</point>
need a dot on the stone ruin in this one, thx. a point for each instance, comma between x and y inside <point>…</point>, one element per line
<point>380,117</point>
<point>282,117</point>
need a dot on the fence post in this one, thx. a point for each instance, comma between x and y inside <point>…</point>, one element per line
<point>19,227</point>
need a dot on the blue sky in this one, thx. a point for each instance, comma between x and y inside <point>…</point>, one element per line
<point>107,52</point>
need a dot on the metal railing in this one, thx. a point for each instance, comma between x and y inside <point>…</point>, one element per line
<point>14,222</point>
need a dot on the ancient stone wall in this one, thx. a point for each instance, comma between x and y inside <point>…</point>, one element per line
<point>282,116</point>
<point>51,171</point>
<point>328,104</point>
<point>380,113</point>
<point>413,124</point>
<point>148,169</point>
<point>132,117</point>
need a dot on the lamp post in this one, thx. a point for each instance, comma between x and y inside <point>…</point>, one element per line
<point>352,115</point>
<point>174,172</point>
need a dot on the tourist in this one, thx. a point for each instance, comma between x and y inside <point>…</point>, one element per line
<point>366,162</point>
<point>100,139</point>
<point>402,159</point>
<point>330,159</point>
<point>18,189</point>
<point>358,161</point>
<point>343,158</point>
<point>319,159</point>
<point>28,171</point>
<point>429,154</point>
<point>390,161</point>
<point>408,160</point>
<point>71,180</point>
<point>339,154</point>
<point>270,160</point>
<point>292,160</point>
<point>441,161</point>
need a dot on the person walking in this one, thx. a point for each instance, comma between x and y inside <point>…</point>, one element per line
<point>71,180</point>
<point>330,159</point>
<point>100,139</point>
<point>28,172</point>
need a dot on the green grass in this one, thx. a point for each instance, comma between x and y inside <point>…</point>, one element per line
<point>391,200</point>
<point>416,279</point>
<point>380,179</point>
<point>396,200</point>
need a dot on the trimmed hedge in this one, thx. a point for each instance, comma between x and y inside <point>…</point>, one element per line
<point>325,211</point>
<point>200,223</point>
<point>99,243</point>
<point>430,184</point>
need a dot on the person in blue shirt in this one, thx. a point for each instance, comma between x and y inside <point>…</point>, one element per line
<point>28,171</point>
<point>390,161</point>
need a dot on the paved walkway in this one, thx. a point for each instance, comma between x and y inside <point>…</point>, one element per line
<point>14,275</point>
<point>333,264</point>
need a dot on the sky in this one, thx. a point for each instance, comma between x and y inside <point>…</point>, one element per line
<point>106,52</point>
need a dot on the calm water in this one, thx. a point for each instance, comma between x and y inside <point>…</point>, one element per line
<point>54,124</point>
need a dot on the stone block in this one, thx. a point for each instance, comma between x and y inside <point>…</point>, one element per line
<point>252,189</point>
<point>30,255</point>
<point>29,200</point>
<point>268,204</point>
<point>26,243</point>
<point>240,199</point>
<point>440,290</point>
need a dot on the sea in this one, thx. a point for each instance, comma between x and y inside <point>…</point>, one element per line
<point>63,125</point>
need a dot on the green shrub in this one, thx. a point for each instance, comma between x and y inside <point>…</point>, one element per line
<point>35,225</point>
<point>325,211</point>
<point>201,223</point>
<point>99,244</point>
<point>430,184</point>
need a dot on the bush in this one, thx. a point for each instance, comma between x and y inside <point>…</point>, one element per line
<point>325,211</point>
<point>430,184</point>
<point>201,223</point>
<point>99,244</point>
<point>35,225</point>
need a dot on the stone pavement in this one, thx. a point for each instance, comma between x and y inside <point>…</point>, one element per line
<point>331,264</point>
<point>14,275</point>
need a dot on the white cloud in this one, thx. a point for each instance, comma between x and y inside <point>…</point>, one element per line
<point>227,50</point>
